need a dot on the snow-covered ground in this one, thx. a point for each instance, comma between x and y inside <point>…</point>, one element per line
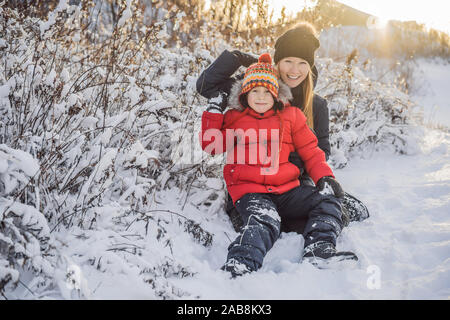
<point>404,247</point>
<point>434,94</point>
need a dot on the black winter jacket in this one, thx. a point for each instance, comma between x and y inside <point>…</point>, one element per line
<point>219,77</point>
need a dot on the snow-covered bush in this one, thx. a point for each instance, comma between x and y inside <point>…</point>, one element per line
<point>25,240</point>
<point>96,120</point>
<point>365,115</point>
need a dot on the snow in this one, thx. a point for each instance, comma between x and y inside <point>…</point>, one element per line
<point>403,248</point>
<point>168,81</point>
<point>434,95</point>
<point>134,92</point>
<point>3,43</point>
<point>46,25</point>
<point>4,91</point>
<point>18,160</point>
<point>50,79</point>
<point>405,243</point>
<point>126,15</point>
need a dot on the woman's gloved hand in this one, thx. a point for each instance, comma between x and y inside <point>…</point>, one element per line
<point>245,59</point>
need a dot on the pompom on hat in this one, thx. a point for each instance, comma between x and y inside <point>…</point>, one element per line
<point>261,74</point>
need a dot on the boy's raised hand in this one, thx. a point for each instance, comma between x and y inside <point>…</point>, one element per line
<point>329,185</point>
<point>218,103</point>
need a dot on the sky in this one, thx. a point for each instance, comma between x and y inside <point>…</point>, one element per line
<point>434,13</point>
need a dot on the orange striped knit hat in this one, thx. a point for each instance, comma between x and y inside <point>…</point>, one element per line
<point>262,73</point>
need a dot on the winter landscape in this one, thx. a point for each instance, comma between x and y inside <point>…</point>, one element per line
<point>105,192</point>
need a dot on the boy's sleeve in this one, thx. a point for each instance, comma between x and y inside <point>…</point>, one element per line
<point>305,143</point>
<point>213,135</point>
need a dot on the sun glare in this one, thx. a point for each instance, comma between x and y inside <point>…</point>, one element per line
<point>432,13</point>
<point>292,6</point>
<point>376,23</point>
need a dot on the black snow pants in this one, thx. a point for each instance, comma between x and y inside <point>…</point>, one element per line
<point>262,214</point>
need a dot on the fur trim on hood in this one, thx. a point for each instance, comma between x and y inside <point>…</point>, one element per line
<point>284,94</point>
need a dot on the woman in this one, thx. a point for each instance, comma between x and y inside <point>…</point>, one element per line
<point>294,60</point>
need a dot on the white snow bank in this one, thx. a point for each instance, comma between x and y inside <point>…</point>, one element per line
<point>434,96</point>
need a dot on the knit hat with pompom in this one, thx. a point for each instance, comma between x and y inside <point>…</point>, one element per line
<point>300,42</point>
<point>262,73</point>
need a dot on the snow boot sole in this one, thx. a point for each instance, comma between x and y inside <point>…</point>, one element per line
<point>340,259</point>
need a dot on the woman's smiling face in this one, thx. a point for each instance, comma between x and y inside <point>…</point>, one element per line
<point>293,70</point>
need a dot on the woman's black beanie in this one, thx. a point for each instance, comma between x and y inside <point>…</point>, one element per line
<point>298,42</point>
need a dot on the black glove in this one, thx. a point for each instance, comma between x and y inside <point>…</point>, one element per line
<point>218,103</point>
<point>329,185</point>
<point>245,59</point>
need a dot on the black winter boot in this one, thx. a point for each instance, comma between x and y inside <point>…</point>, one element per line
<point>354,209</point>
<point>322,253</point>
<point>233,214</point>
<point>235,268</point>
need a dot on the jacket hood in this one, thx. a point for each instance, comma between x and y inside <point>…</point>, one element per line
<point>284,94</point>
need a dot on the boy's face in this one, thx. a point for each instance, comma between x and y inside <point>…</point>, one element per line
<point>260,99</point>
<point>293,70</point>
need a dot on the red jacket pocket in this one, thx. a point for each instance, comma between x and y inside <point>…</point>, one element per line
<point>231,174</point>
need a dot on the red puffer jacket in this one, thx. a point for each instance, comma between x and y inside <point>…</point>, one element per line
<point>256,162</point>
